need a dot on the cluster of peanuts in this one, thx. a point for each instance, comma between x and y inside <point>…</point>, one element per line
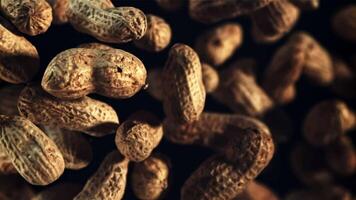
<point>46,126</point>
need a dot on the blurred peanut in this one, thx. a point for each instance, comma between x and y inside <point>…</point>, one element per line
<point>344,23</point>
<point>170,5</point>
<point>154,80</point>
<point>344,79</point>
<point>210,78</point>
<point>306,4</point>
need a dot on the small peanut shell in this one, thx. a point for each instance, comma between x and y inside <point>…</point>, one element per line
<point>112,25</point>
<point>210,78</point>
<point>217,45</point>
<point>109,181</point>
<point>74,73</point>
<point>212,11</point>
<point>138,136</point>
<point>239,91</point>
<point>256,191</point>
<point>157,37</point>
<point>326,121</point>
<point>34,155</point>
<point>8,100</point>
<point>76,150</point>
<point>184,92</point>
<point>273,21</point>
<point>84,115</point>
<point>154,80</point>
<point>170,5</point>
<point>306,4</point>
<point>32,17</point>
<point>150,178</point>
<point>341,156</point>
<point>61,191</point>
<point>19,58</point>
<point>344,23</point>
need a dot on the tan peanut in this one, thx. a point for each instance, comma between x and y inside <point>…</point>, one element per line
<point>210,78</point>
<point>256,191</point>
<point>19,58</point>
<point>114,25</point>
<point>341,156</point>
<point>154,80</point>
<point>6,166</point>
<point>61,191</point>
<point>239,90</point>
<point>328,120</point>
<point>76,150</point>
<point>273,21</point>
<point>85,115</point>
<point>211,11</point>
<point>35,156</point>
<point>150,178</point>
<point>307,4</point>
<point>344,79</point>
<point>157,37</point>
<point>344,23</point>
<point>170,5</point>
<point>184,90</point>
<point>32,17</point>
<point>8,100</point>
<point>217,45</point>
<point>109,181</point>
<point>138,136</point>
<point>14,187</point>
<point>77,72</point>
<point>247,153</point>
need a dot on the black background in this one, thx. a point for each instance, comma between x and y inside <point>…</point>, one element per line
<point>187,158</point>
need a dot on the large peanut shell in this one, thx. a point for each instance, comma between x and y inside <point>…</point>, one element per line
<point>74,73</point>
<point>35,156</point>
<point>85,115</point>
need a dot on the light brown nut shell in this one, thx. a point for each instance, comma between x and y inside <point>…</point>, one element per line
<point>35,156</point>
<point>75,148</point>
<point>157,37</point>
<point>150,178</point>
<point>61,191</point>
<point>109,181</point>
<point>218,44</point>
<point>85,115</point>
<point>184,90</point>
<point>74,73</point>
<point>32,17</point>
<point>19,58</point>
<point>114,25</point>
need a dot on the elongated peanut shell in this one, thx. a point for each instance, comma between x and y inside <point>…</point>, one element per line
<point>74,73</point>
<point>35,156</point>
<point>85,115</point>
<point>31,17</point>
<point>109,181</point>
<point>136,138</point>
<point>19,58</point>
<point>184,92</point>
<point>61,191</point>
<point>114,25</point>
<point>76,150</point>
<point>150,178</point>
<point>225,176</point>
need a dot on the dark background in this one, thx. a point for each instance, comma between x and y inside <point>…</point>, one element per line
<point>185,159</point>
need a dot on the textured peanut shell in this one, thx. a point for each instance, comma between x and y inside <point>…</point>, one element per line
<point>75,148</point>
<point>19,58</point>
<point>225,176</point>
<point>211,11</point>
<point>341,156</point>
<point>273,21</point>
<point>284,71</point>
<point>256,191</point>
<point>61,191</point>
<point>8,100</point>
<point>154,80</point>
<point>150,178</point>
<point>113,25</point>
<point>239,91</point>
<point>217,45</point>
<point>6,166</point>
<point>32,17</point>
<point>136,138</point>
<point>184,90</point>
<point>109,181</point>
<point>344,23</point>
<point>84,115</point>
<point>157,37</point>
<point>35,156</point>
<point>210,78</point>
<point>326,121</point>
<point>74,73</point>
